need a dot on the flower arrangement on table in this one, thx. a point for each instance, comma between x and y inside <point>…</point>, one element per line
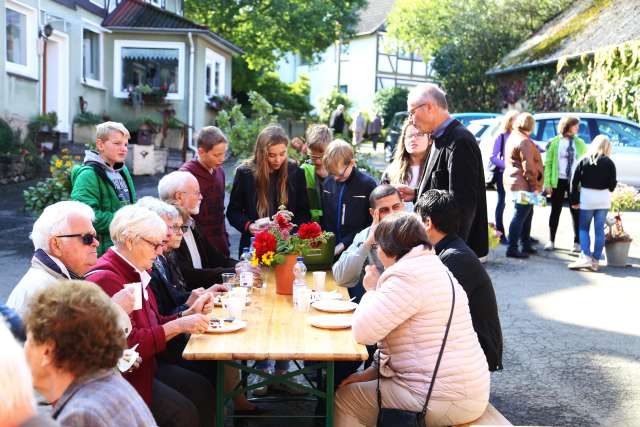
<point>275,240</point>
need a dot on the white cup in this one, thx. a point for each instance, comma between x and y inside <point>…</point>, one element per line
<point>234,306</point>
<point>239,293</point>
<point>137,292</point>
<point>319,278</point>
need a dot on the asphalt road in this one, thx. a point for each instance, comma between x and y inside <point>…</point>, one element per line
<point>572,339</point>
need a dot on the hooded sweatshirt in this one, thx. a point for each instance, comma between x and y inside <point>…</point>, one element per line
<point>106,189</point>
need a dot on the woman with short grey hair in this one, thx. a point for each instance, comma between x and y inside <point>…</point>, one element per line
<point>172,392</point>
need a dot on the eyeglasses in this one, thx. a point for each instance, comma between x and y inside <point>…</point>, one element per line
<point>195,193</point>
<point>156,246</point>
<point>183,228</point>
<point>87,239</point>
<point>413,110</point>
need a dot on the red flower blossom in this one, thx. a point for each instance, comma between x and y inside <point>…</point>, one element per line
<point>310,230</point>
<point>265,242</point>
<point>282,222</point>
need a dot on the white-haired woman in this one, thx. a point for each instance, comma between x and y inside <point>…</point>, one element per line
<point>172,392</point>
<point>593,181</point>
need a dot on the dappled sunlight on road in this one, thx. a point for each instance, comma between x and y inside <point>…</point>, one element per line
<point>603,303</point>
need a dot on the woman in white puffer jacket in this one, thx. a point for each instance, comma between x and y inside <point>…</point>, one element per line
<point>405,310</point>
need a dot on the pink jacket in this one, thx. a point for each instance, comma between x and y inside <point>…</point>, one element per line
<point>408,314</point>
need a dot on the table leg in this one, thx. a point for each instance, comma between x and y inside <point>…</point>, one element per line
<point>219,393</point>
<point>330,394</point>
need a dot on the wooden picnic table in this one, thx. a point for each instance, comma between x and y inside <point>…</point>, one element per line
<point>276,331</point>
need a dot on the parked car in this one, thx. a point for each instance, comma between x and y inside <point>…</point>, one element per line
<point>466,118</point>
<point>479,127</point>
<point>624,135</point>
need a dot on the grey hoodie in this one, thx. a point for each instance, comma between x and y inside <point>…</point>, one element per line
<point>113,173</point>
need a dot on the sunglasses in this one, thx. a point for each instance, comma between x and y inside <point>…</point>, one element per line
<point>183,228</point>
<point>87,239</point>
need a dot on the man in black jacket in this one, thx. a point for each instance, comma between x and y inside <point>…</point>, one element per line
<point>200,263</point>
<point>454,164</point>
<point>441,217</point>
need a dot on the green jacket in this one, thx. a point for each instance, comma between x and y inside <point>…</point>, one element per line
<point>91,187</point>
<point>551,159</point>
<point>312,192</point>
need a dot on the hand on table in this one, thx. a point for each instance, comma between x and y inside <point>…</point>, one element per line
<point>203,305</point>
<point>194,323</point>
<point>194,296</point>
<point>217,289</point>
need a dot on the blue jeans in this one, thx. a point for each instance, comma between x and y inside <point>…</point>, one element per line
<point>500,205</point>
<point>599,217</point>
<point>520,228</point>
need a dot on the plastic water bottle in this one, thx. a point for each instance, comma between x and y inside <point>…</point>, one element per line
<point>299,271</point>
<point>246,275</point>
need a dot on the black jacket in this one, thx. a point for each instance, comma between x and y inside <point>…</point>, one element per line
<point>214,263</point>
<point>167,287</point>
<point>242,209</point>
<point>467,269</point>
<point>345,205</point>
<point>456,166</point>
<point>601,176</point>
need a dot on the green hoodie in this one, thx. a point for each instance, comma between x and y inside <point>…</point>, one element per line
<point>312,191</point>
<point>551,159</point>
<point>90,185</point>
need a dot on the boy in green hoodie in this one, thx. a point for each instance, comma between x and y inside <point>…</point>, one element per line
<point>103,181</point>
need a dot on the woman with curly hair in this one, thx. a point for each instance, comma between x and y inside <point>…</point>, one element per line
<point>73,344</point>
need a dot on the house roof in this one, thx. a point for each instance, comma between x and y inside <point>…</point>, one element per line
<point>583,28</point>
<point>373,16</point>
<point>136,15</point>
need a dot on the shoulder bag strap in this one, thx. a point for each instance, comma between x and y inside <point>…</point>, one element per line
<point>444,341</point>
<point>502,146</point>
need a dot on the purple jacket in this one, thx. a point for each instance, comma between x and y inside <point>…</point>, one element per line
<point>497,157</point>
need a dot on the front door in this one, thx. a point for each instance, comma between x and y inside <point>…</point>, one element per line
<point>57,79</point>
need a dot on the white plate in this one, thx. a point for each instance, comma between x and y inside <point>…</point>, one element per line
<point>227,327</point>
<point>330,321</point>
<point>333,295</point>
<point>334,306</point>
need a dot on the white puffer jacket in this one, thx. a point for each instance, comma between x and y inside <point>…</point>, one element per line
<point>408,313</point>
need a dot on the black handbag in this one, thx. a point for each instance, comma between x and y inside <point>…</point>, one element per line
<point>493,169</point>
<point>390,417</point>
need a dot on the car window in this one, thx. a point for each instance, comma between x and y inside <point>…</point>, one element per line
<point>477,129</point>
<point>583,132</point>
<point>621,134</point>
<point>549,130</point>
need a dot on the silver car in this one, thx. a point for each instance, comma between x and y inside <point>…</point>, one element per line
<point>624,135</point>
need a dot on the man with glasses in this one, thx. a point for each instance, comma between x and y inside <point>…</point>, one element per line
<point>345,196</point>
<point>207,168</point>
<point>318,138</point>
<point>200,262</point>
<point>103,182</point>
<point>65,248</point>
<point>454,164</point>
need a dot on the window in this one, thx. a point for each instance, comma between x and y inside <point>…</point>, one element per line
<point>20,28</point>
<point>155,65</point>
<point>621,134</point>
<point>91,56</point>
<point>214,74</point>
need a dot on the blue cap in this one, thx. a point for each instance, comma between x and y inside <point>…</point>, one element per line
<point>300,258</point>
<point>245,249</point>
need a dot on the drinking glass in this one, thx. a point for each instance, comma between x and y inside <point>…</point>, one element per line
<point>319,278</point>
<point>228,280</point>
<point>234,306</point>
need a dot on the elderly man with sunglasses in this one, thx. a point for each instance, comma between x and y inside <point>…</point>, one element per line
<point>65,248</point>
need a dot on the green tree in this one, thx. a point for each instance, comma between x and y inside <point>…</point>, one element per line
<point>328,104</point>
<point>389,101</point>
<point>267,29</point>
<point>466,39</point>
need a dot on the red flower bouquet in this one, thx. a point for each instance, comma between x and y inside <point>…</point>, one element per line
<point>275,241</point>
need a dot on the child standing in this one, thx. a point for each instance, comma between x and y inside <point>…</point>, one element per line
<point>318,137</point>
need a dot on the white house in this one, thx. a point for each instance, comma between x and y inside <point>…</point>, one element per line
<point>361,66</point>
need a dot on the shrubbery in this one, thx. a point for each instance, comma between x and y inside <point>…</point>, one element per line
<point>389,101</point>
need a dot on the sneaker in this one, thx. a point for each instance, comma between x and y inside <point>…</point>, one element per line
<point>582,262</point>
<point>516,254</point>
<point>529,250</point>
<point>549,246</point>
<point>594,264</point>
<point>576,248</point>
<point>533,240</point>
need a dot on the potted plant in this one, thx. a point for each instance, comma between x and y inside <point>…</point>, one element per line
<point>276,245</point>
<point>617,242</point>
<point>174,137</point>
<point>41,131</point>
<point>146,95</point>
<point>84,127</point>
